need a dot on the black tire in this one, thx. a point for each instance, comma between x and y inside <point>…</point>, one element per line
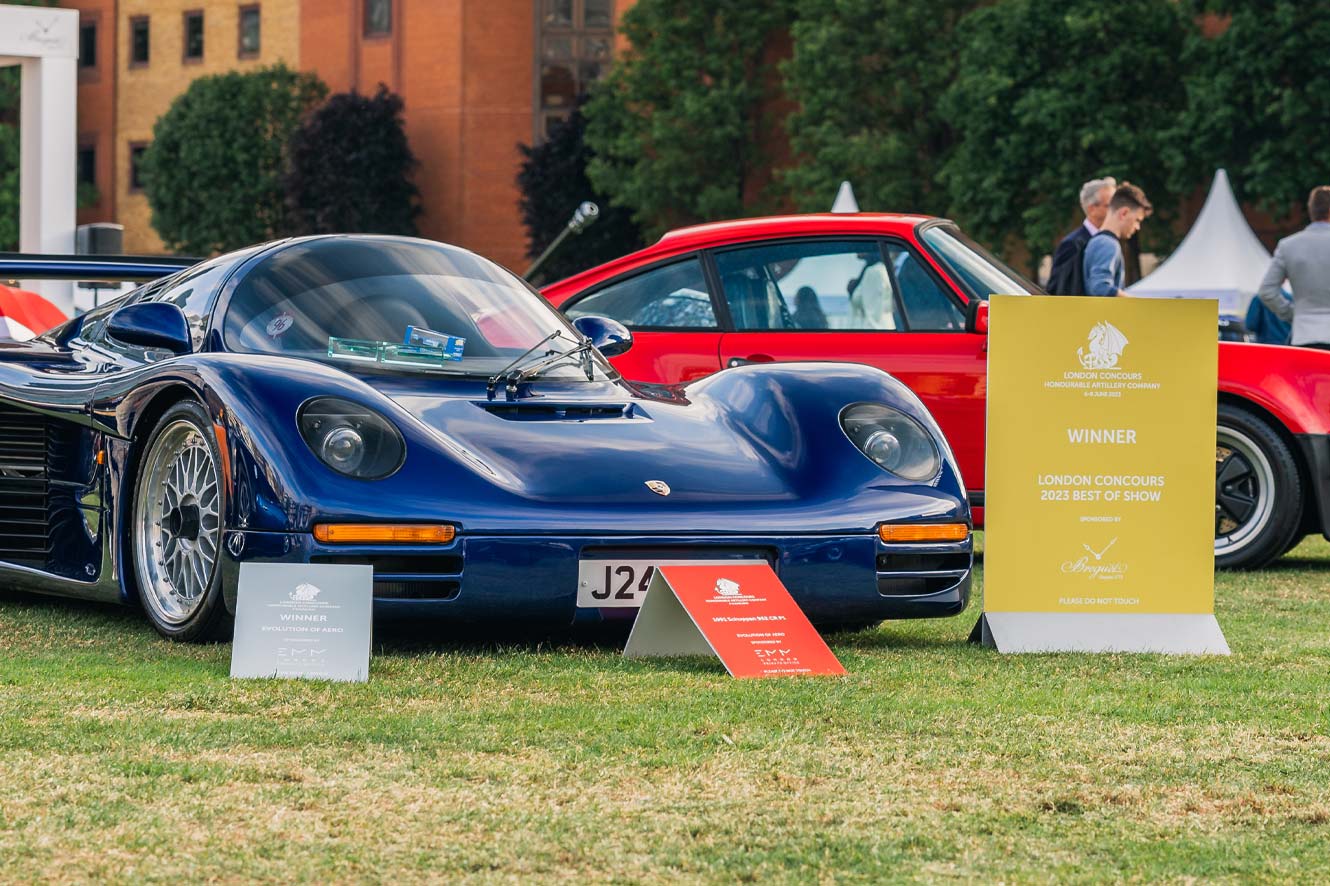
<point>176,527</point>
<point>1258,491</point>
<point>1298,538</point>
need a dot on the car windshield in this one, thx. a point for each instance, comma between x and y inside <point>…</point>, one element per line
<point>395,304</point>
<point>977,270</point>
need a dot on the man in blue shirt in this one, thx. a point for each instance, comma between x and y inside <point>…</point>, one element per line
<point>1103,254</point>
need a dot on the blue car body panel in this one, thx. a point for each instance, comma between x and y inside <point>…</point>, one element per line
<point>755,458</point>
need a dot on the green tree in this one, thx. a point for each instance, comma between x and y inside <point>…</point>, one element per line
<point>866,76</point>
<point>9,184</point>
<point>1049,93</point>
<point>680,125</point>
<point>213,173</point>
<point>1258,104</point>
<point>350,168</point>
<point>553,181</point>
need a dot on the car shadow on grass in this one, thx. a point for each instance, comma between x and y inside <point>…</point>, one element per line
<point>414,638</point>
<point>26,605</point>
<point>885,638</point>
<point>1292,564</point>
<point>421,637</point>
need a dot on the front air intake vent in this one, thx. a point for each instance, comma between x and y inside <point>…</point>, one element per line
<point>919,571</point>
<point>25,452</point>
<point>406,576</point>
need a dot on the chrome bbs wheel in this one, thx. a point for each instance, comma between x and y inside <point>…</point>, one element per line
<point>178,523</point>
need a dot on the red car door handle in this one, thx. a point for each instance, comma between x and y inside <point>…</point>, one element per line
<point>751,358</point>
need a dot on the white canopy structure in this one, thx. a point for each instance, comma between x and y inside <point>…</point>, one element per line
<point>845,202</point>
<point>1219,258</point>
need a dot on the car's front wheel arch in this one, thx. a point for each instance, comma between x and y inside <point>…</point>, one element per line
<point>144,424</point>
<point>194,518</point>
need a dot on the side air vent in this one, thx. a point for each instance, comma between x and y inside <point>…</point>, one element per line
<point>25,451</point>
<point>559,411</point>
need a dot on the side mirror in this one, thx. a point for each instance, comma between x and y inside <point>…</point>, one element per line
<point>976,317</point>
<point>610,337</point>
<point>152,324</point>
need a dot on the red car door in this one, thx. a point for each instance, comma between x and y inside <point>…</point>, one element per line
<point>864,301</point>
<point>672,315</point>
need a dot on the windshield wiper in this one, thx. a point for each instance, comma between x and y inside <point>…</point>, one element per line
<point>517,361</point>
<point>583,348</point>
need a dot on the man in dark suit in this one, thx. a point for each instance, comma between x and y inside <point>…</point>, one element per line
<point>1095,195</point>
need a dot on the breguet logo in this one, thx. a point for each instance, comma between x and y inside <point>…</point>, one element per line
<point>42,34</point>
<point>1092,564</point>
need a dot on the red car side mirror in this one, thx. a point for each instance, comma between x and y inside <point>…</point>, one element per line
<point>976,317</point>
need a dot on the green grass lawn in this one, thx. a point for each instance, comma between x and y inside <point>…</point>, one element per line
<point>124,757</point>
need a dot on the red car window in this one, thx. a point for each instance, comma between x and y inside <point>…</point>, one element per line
<point>674,296</point>
<point>927,307</point>
<point>809,284</point>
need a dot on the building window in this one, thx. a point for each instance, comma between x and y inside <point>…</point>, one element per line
<point>88,45</point>
<point>378,18</point>
<point>576,44</point>
<point>194,36</point>
<point>136,150</point>
<point>138,40</point>
<point>249,31</point>
<point>87,165</point>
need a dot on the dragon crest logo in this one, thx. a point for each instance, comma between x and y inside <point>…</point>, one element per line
<point>1106,345</point>
<point>305,593</point>
<point>727,588</point>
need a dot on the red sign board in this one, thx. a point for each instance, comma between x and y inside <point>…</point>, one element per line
<point>741,613</point>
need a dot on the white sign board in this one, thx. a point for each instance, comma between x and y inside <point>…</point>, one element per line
<point>300,620</point>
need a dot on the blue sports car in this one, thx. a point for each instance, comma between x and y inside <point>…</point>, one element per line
<point>412,406</point>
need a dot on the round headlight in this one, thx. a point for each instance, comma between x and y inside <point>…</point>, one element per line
<point>893,440</point>
<point>343,448</point>
<point>351,439</point>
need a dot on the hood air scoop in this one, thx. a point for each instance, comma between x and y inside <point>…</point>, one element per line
<point>546,411</point>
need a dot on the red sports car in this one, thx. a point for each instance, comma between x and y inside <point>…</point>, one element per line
<point>907,294</point>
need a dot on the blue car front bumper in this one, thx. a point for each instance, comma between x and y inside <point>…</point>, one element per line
<point>533,578</point>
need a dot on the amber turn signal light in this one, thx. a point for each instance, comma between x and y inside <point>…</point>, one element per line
<point>384,533</point>
<point>922,532</point>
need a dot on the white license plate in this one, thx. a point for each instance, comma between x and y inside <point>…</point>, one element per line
<point>622,584</point>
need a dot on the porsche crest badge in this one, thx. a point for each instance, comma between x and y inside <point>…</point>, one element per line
<point>660,487</point>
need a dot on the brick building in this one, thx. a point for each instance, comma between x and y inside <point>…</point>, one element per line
<point>476,79</point>
<point>135,57</point>
<point>96,107</point>
<point>162,46</point>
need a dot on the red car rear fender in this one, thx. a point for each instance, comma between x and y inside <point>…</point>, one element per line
<point>1291,384</point>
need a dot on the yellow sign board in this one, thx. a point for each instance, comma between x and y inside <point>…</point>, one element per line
<point>1099,495</point>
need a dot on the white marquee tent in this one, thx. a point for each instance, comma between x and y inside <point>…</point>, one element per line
<point>1219,258</point>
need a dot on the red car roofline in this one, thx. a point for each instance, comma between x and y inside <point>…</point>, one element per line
<point>740,230</point>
